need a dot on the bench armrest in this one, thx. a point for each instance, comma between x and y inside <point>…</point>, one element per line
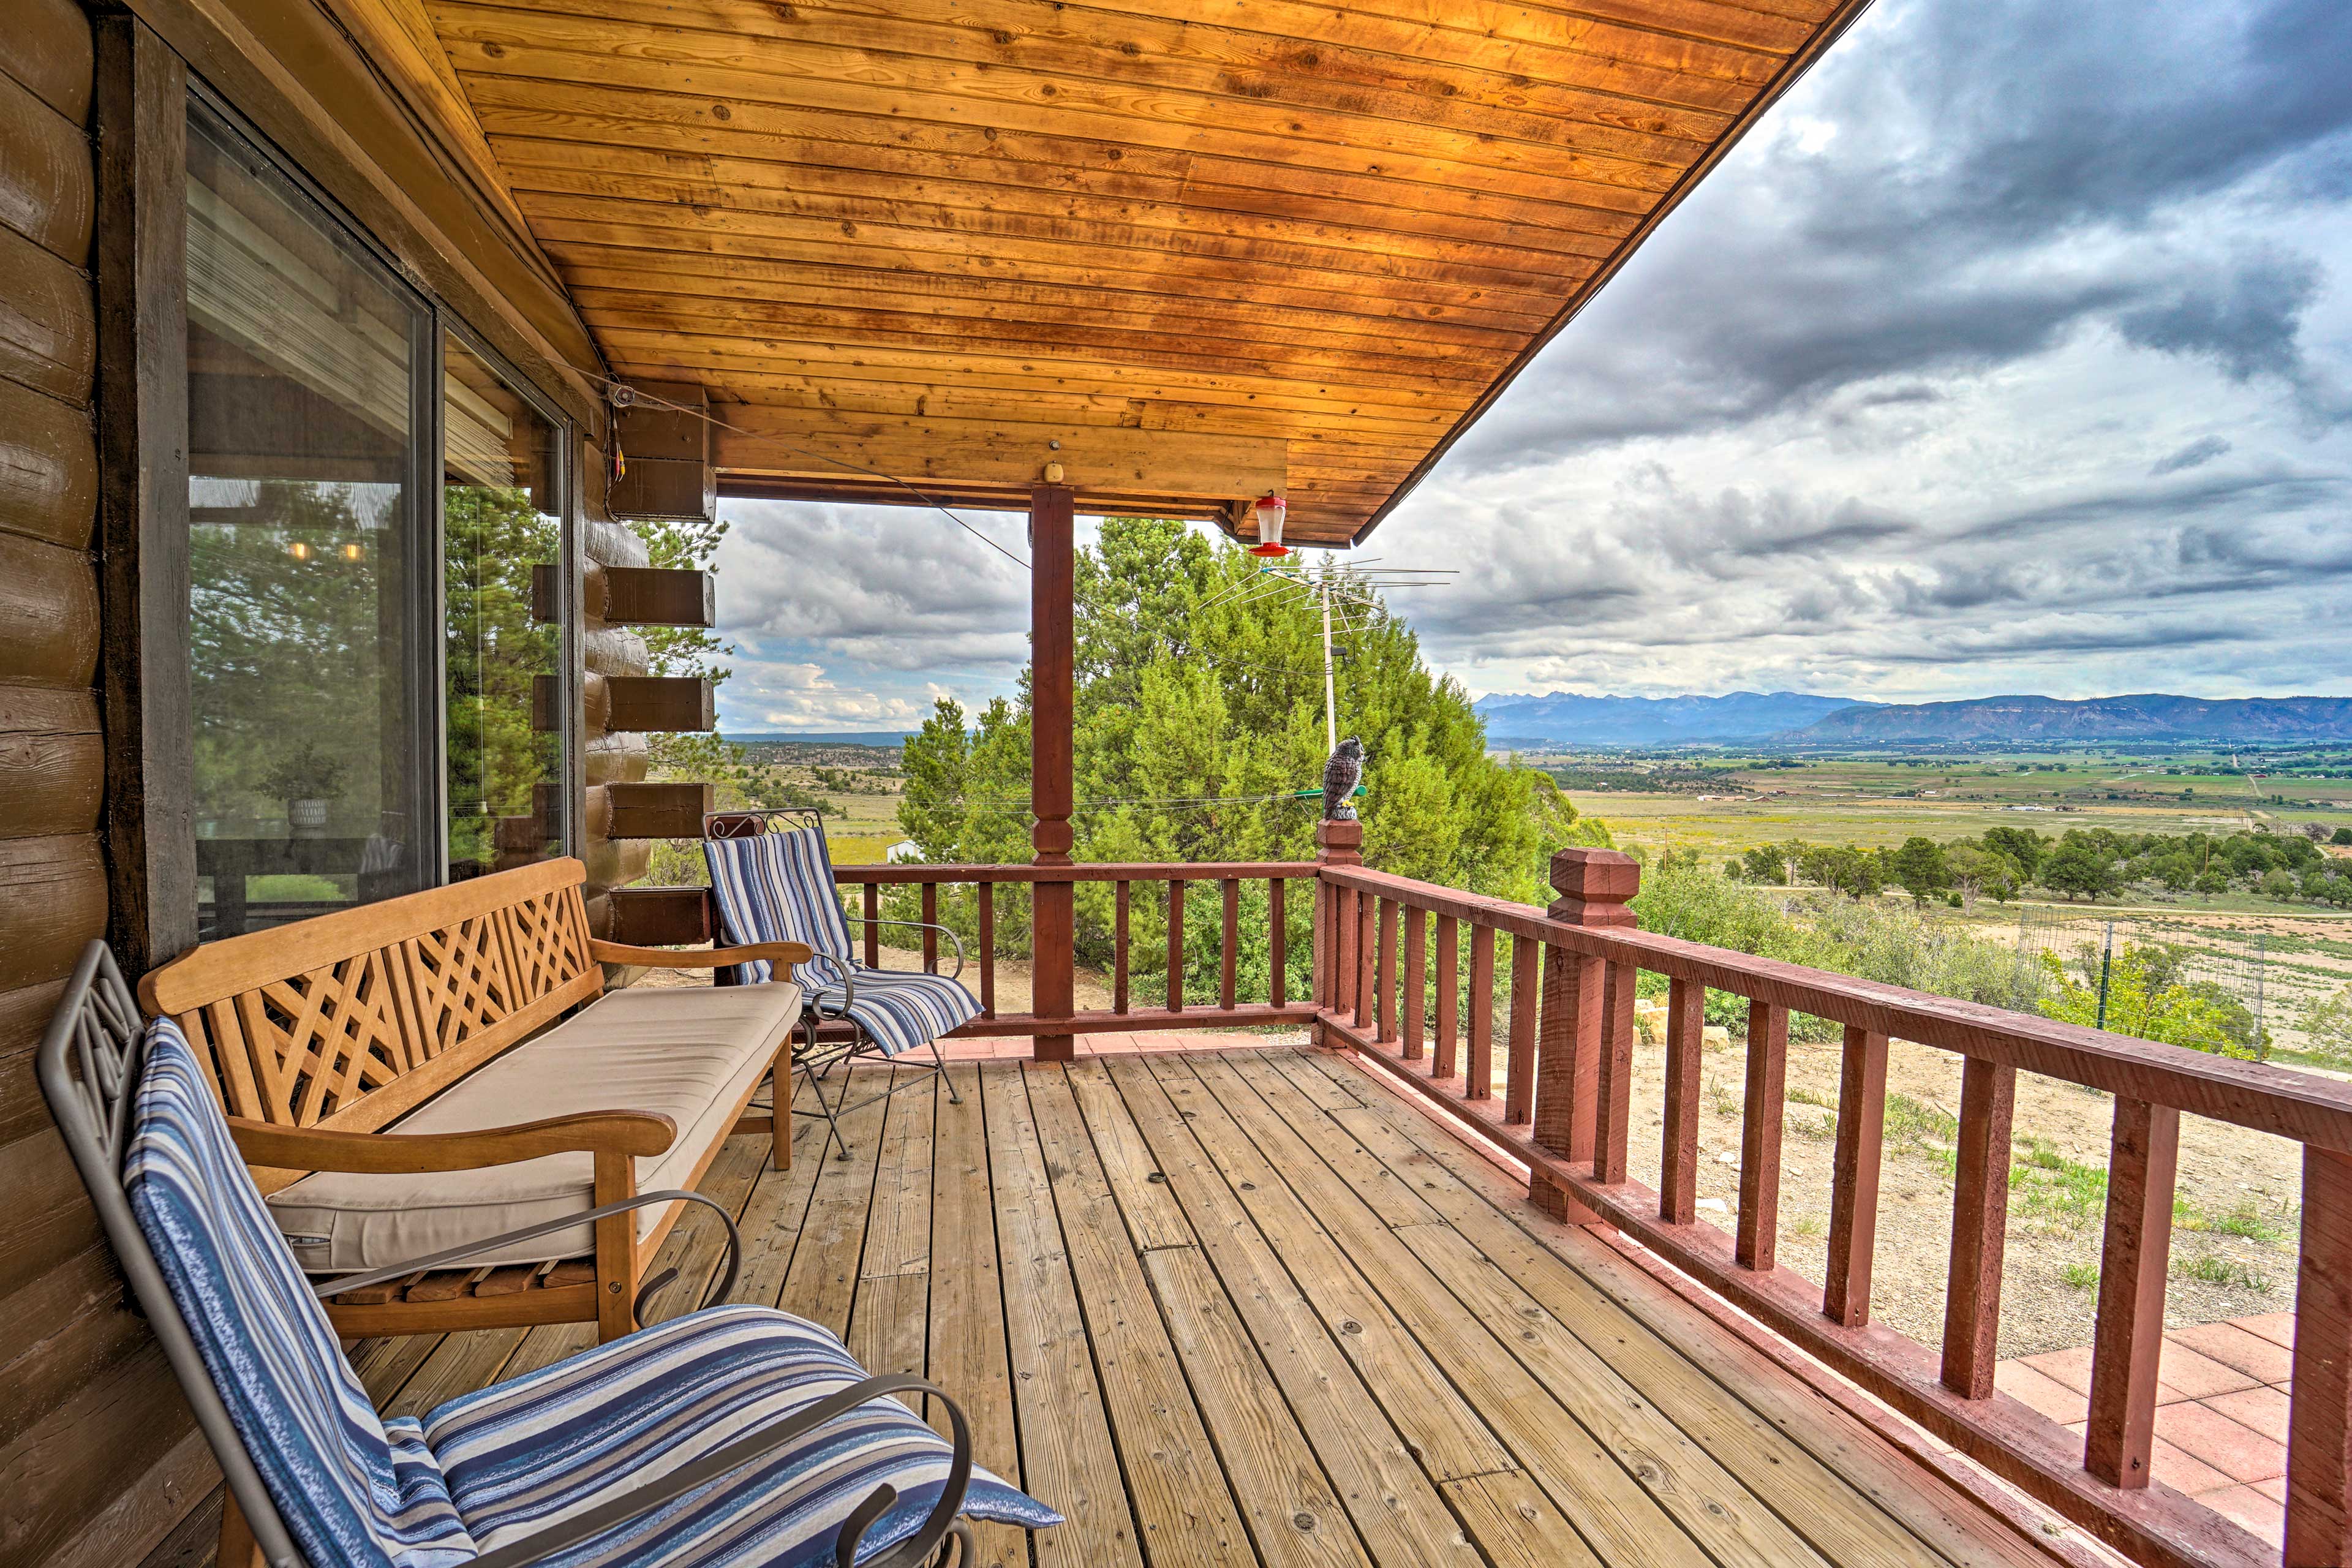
<point>783,952</point>
<point>640,1133</point>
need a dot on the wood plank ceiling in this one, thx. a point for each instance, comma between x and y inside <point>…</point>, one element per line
<point>1208,245</point>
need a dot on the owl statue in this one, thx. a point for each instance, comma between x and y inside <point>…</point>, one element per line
<point>1340,776</point>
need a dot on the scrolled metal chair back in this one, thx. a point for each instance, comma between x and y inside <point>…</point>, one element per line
<point>89,1064</point>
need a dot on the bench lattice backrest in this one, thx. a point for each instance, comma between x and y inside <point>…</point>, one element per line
<point>351,1019</point>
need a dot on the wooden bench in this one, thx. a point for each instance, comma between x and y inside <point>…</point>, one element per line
<point>438,1012</point>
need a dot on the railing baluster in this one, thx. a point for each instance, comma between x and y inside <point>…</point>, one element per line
<point>1980,1227</point>
<point>931,919</point>
<point>1278,915</point>
<point>1449,1004</point>
<point>2319,1418</point>
<point>1612,1092</point>
<point>1482,1013</point>
<point>1416,975</point>
<point>984,893</point>
<point>1678,1154</point>
<point>1341,918</point>
<point>1367,994</point>
<point>1759,1140</point>
<point>1120,899</point>
<point>1387,981</point>
<point>1176,946</point>
<point>2143,1158</point>
<point>1854,1179</point>
<point>1568,1064</point>
<point>1519,1069</point>
<point>1229,951</point>
<point>873,908</point>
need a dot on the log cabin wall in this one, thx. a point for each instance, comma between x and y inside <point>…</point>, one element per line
<point>98,1458</point>
<point>614,756</point>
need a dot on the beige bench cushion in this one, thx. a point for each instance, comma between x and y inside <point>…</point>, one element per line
<point>690,1053</point>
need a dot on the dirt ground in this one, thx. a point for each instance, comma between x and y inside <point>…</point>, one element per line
<point>2233,1249</point>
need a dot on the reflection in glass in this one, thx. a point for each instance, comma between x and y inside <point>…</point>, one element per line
<point>310,748</point>
<point>498,521</point>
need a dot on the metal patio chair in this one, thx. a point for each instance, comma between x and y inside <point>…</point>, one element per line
<point>764,878</point>
<point>731,1437</point>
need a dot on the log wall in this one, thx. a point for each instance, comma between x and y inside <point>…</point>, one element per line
<point>614,756</point>
<point>97,1454</point>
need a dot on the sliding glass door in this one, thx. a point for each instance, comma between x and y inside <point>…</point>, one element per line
<point>378,568</point>
<point>309,543</point>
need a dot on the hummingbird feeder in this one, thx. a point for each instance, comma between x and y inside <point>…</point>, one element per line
<point>1270,510</point>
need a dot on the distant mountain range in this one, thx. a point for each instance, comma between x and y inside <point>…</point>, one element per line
<point>1798,720</point>
<point>2012,720</point>
<point>1570,719</point>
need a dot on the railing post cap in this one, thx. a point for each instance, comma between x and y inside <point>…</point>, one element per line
<point>1339,843</point>
<point>1595,886</point>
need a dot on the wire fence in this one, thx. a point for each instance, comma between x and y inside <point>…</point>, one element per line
<point>2242,965</point>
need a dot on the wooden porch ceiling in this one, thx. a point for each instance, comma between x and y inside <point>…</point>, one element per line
<point>1207,246</point>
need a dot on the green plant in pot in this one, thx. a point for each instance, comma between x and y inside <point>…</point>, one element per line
<point>308,780</point>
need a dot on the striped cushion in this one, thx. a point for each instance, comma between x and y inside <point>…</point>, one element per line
<point>352,1489</point>
<point>900,1011</point>
<point>778,886</point>
<point>544,1447</point>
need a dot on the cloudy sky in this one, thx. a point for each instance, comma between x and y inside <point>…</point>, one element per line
<point>2012,352</point>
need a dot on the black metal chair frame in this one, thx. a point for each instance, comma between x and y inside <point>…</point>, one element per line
<point>811,1057</point>
<point>90,1063</point>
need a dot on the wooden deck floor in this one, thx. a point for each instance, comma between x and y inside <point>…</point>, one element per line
<point>1251,1308</point>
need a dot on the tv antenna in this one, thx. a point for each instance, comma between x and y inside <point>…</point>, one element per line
<point>1349,595</point>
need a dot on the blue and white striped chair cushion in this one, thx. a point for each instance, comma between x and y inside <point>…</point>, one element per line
<point>529,1453</point>
<point>352,1489</point>
<point>779,887</point>
<point>899,1011</point>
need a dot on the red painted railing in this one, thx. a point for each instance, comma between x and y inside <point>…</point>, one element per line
<point>1567,1057</point>
<point>1229,1012</point>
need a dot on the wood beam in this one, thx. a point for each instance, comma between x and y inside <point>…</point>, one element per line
<point>1098,461</point>
<point>1052,649</point>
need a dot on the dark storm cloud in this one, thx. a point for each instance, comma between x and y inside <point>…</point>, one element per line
<point>2001,176</point>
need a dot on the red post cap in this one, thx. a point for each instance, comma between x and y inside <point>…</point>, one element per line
<point>1594,887</point>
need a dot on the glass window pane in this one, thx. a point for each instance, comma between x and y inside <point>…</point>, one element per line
<point>498,521</point>
<point>313,751</point>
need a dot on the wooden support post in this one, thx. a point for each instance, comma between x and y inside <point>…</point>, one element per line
<point>1980,1227</point>
<point>2142,1160</point>
<point>2319,1422</point>
<point>1613,1094</point>
<point>1388,973</point>
<point>1678,1155</point>
<point>1052,715</point>
<point>1416,976</point>
<point>930,937</point>
<point>1449,1000</point>
<point>1336,843</point>
<point>1519,1067</point>
<point>615,1180</point>
<point>1594,887</point>
<point>1854,1179</point>
<point>1758,1236</point>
